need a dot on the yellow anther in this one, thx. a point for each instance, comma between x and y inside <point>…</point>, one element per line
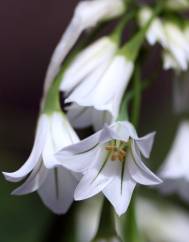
<point>117,152</point>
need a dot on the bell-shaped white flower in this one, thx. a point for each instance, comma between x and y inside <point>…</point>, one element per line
<point>55,185</point>
<point>110,161</point>
<point>86,15</point>
<point>171,37</point>
<point>155,31</point>
<point>175,170</point>
<point>100,75</point>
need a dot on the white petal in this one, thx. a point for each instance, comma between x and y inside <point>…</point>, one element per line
<point>176,164</point>
<point>82,117</point>
<point>35,155</point>
<point>78,162</point>
<point>58,189</point>
<point>124,130</point>
<point>34,181</point>
<point>108,91</point>
<point>169,61</point>
<point>92,12</point>
<point>60,134</point>
<point>84,90</point>
<point>65,44</point>
<point>87,144</point>
<point>145,144</point>
<point>119,191</point>
<point>99,53</point>
<point>139,171</point>
<point>97,178</point>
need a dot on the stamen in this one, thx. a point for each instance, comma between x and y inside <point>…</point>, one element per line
<point>118,150</point>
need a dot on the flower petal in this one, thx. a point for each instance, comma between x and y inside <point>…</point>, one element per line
<point>97,178</point>
<point>84,91</point>
<point>176,164</point>
<point>87,144</point>
<point>145,144</point>
<point>119,192</point>
<point>65,44</point>
<point>78,162</point>
<point>97,54</point>
<point>58,189</point>
<point>59,135</point>
<point>34,181</point>
<point>138,170</point>
<point>82,117</point>
<point>35,155</point>
<point>124,130</point>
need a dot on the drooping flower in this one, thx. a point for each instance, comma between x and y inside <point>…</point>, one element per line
<point>171,36</point>
<point>86,15</point>
<point>110,161</point>
<point>55,185</point>
<point>175,170</point>
<point>97,79</point>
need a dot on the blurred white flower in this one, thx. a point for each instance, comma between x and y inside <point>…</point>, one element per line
<point>155,31</point>
<point>55,185</point>
<point>110,161</point>
<point>175,170</point>
<point>162,223</point>
<point>98,77</point>
<point>177,4</point>
<point>171,36</point>
<point>87,14</point>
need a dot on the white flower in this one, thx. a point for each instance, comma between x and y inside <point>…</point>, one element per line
<point>177,44</point>
<point>159,222</point>
<point>175,170</point>
<point>177,4</point>
<point>155,31</point>
<point>98,77</point>
<point>87,14</point>
<point>110,161</point>
<point>55,185</point>
<point>172,38</point>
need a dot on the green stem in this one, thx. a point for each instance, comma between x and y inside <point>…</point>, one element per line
<point>137,97</point>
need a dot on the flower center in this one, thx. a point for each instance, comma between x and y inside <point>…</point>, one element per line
<point>117,149</point>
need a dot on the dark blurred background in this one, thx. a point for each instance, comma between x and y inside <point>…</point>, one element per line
<point>30,31</point>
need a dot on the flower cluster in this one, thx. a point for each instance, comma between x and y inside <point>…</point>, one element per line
<point>99,80</point>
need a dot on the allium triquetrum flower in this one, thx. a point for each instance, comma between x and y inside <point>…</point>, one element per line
<point>97,79</point>
<point>55,185</point>
<point>110,161</point>
<point>171,36</point>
